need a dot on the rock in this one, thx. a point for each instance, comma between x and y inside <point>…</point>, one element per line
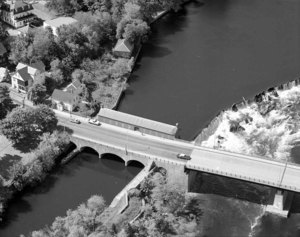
<point>236,127</point>
<point>234,108</point>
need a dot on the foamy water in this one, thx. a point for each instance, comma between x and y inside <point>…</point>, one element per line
<point>269,128</point>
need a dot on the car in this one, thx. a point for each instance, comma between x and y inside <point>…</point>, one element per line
<point>94,121</point>
<point>74,120</point>
<point>183,156</point>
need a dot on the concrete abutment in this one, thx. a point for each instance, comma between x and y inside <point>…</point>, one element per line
<point>282,202</point>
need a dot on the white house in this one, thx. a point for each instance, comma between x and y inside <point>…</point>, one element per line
<point>25,75</point>
<point>63,100</point>
<point>58,22</point>
<point>17,13</point>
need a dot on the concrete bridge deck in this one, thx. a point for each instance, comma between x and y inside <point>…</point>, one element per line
<point>254,169</point>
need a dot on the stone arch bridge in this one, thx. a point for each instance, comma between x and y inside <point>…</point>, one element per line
<point>102,149</point>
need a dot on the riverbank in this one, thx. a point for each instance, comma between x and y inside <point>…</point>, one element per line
<point>24,170</point>
<point>266,125</point>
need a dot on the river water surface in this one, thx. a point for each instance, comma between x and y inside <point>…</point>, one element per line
<point>68,187</point>
<point>200,61</point>
<point>197,62</point>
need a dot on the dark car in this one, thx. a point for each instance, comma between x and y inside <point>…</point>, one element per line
<point>36,22</point>
<point>183,156</point>
<point>74,120</point>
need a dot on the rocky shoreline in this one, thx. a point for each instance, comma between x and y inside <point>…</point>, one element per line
<point>265,125</point>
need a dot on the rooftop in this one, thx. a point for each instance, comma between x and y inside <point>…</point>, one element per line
<point>138,121</point>
<point>23,72</point>
<point>123,45</point>
<point>63,96</point>
<point>57,22</point>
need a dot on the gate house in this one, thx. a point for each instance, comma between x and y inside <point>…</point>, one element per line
<point>136,123</point>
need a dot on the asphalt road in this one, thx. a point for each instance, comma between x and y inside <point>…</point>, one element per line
<point>130,140</point>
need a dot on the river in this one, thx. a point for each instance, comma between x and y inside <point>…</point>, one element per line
<point>65,189</point>
<point>200,61</point>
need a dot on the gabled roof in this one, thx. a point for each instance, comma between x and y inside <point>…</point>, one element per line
<point>123,45</point>
<point>33,68</point>
<point>2,49</point>
<point>73,86</point>
<point>24,74</point>
<point>63,96</point>
<point>57,22</point>
<point>39,65</point>
<point>138,121</point>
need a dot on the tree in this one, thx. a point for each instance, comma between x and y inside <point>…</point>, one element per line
<point>24,126</point>
<point>6,104</point>
<point>3,32</point>
<point>19,49</point>
<point>37,93</point>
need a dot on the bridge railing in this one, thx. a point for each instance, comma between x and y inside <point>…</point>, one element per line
<point>242,177</point>
<point>247,156</point>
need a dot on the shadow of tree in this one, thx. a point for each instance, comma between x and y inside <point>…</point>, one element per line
<point>62,128</point>
<point>27,145</point>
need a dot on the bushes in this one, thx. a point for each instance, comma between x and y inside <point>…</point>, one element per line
<point>34,172</point>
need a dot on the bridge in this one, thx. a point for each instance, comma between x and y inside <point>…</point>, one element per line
<point>135,146</point>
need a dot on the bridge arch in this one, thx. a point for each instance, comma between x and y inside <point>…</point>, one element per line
<point>112,156</point>
<point>135,163</point>
<point>89,150</point>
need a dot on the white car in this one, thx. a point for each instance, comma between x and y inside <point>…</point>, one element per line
<point>94,121</point>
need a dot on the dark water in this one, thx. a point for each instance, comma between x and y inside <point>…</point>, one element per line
<point>70,186</point>
<point>202,60</point>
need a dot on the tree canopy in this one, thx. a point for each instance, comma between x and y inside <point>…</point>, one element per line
<point>24,126</point>
<point>6,104</point>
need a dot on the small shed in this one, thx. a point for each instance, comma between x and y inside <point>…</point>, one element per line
<point>123,48</point>
<point>136,123</point>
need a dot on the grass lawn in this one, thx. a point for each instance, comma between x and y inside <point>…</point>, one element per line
<point>9,155</point>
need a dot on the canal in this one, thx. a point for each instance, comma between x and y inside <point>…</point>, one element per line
<point>200,61</point>
<point>65,189</point>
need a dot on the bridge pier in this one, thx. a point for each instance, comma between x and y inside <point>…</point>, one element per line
<point>282,203</point>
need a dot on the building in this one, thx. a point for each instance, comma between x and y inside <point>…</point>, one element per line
<point>17,13</point>
<point>24,77</point>
<point>4,75</point>
<point>73,86</point>
<point>123,48</point>
<point>64,100</point>
<point>136,123</point>
<point>3,54</point>
<point>58,22</point>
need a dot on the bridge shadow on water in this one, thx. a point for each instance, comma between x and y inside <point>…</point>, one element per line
<point>232,188</point>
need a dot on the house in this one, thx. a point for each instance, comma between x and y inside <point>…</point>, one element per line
<point>123,48</point>
<point>58,22</point>
<point>73,86</point>
<point>64,100</point>
<point>136,123</point>
<point>24,76</point>
<point>16,13</point>
<point>3,54</point>
<point>4,75</point>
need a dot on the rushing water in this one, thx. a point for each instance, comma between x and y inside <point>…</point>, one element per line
<point>203,59</point>
<point>68,187</point>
